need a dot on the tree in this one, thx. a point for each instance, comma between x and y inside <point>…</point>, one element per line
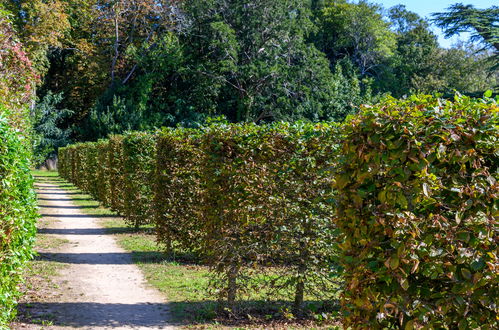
<point>48,126</point>
<point>246,60</point>
<point>356,31</point>
<point>415,51</point>
<point>483,24</point>
<point>18,78</point>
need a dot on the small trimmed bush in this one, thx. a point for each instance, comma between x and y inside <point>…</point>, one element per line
<point>116,170</point>
<point>268,207</point>
<point>102,175</point>
<point>178,191</point>
<point>139,166</point>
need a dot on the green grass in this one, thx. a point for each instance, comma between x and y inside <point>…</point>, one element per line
<point>183,281</point>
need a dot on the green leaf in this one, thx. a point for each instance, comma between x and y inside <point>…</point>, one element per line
<point>466,273</point>
<point>394,262</point>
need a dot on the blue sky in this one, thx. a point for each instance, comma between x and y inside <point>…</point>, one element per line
<point>426,7</point>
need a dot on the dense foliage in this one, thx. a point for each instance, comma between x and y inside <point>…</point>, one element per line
<point>178,190</point>
<point>139,159</point>
<point>17,200</point>
<point>17,214</point>
<point>140,65</point>
<point>413,215</point>
<point>268,207</point>
<point>418,204</point>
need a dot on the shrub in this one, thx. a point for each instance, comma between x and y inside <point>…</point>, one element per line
<point>64,166</point>
<point>90,168</point>
<point>267,206</point>
<point>116,179</point>
<point>103,184</point>
<point>418,207</point>
<point>139,165</point>
<point>17,215</point>
<point>178,191</point>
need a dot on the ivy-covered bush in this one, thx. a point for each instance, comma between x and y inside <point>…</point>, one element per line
<point>139,169</point>
<point>178,191</point>
<point>17,214</point>
<point>418,199</point>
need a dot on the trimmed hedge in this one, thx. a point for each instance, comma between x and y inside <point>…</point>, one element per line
<point>115,174</point>
<point>102,175</point>
<point>139,167</point>
<point>418,206</point>
<point>17,215</point>
<point>178,191</point>
<point>267,206</point>
<point>404,196</point>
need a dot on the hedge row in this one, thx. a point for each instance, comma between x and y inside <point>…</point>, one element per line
<point>246,199</point>
<point>17,215</point>
<point>403,195</point>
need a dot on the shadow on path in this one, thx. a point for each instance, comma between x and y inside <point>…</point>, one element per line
<point>86,314</point>
<point>79,215</point>
<point>86,231</point>
<point>114,258</point>
<point>59,193</point>
<point>64,199</point>
<point>69,207</point>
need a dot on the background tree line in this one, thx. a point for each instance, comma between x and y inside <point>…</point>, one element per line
<point>111,66</point>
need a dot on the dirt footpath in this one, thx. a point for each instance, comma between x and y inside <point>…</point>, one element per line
<point>99,287</point>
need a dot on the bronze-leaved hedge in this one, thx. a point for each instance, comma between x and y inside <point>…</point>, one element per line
<point>418,201</point>
<point>396,209</point>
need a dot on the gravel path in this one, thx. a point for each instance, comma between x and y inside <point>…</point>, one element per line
<point>101,287</point>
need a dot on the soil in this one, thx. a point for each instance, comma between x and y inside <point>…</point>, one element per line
<point>97,286</point>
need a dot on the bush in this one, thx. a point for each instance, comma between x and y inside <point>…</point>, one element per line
<point>418,207</point>
<point>17,215</point>
<point>116,169</point>
<point>64,164</point>
<point>268,207</point>
<point>178,191</point>
<point>90,168</point>
<point>139,166</point>
<point>102,175</point>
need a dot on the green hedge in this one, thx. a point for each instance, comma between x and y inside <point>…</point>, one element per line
<point>17,215</point>
<point>139,167</point>
<point>178,191</point>
<point>102,175</point>
<point>396,209</point>
<point>418,209</point>
<point>268,207</point>
<point>115,175</point>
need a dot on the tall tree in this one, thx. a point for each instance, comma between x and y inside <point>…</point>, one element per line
<point>247,60</point>
<point>356,31</point>
<point>413,57</point>
<point>483,24</point>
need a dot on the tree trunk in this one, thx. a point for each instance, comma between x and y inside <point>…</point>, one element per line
<point>232,286</point>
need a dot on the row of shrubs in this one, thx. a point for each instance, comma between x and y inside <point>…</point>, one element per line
<point>17,214</point>
<point>396,209</point>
